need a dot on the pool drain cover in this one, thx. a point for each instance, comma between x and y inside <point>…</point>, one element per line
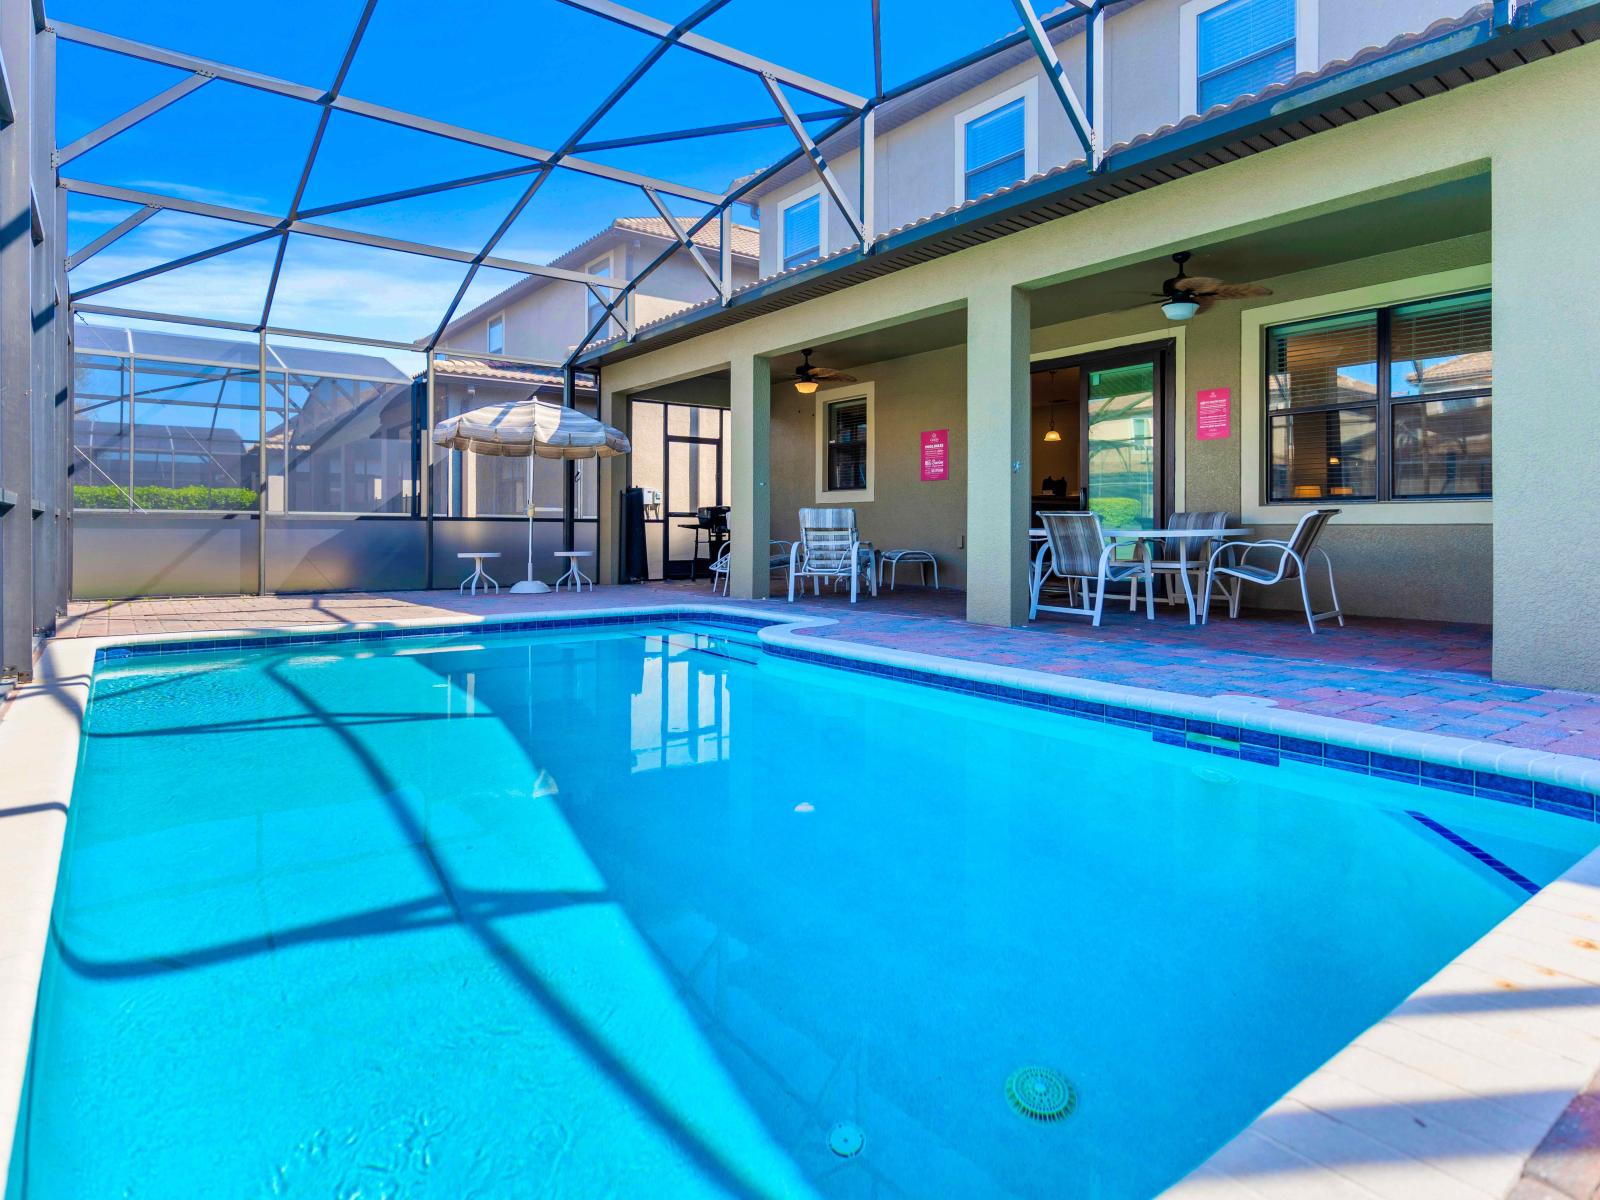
<point>1041,1094</point>
<point>846,1139</point>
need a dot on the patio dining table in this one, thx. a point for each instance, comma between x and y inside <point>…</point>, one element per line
<point>1135,536</point>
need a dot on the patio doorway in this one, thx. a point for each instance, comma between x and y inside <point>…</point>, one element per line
<point>680,459</point>
<point>1103,435</point>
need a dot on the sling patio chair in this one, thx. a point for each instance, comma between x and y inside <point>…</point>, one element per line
<point>830,547</point>
<point>1077,550</point>
<point>1182,561</point>
<point>777,560</point>
<point>1291,564</point>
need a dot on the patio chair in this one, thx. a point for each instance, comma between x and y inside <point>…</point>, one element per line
<point>830,547</point>
<point>1077,550</point>
<point>1291,564</point>
<point>1177,559</point>
<point>777,560</point>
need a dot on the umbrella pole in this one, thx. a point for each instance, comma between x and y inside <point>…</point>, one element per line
<point>528,582</point>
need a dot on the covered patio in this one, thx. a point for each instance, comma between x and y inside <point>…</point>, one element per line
<point>1397,674</point>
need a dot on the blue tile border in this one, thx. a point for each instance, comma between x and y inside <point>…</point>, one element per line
<point>1249,745</point>
<point>1255,746</point>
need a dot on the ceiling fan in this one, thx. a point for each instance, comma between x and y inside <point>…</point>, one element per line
<point>806,376</point>
<point>1183,296</point>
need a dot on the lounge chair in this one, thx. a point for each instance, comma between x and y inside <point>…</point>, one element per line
<point>830,547</point>
<point>1291,564</point>
<point>1077,550</point>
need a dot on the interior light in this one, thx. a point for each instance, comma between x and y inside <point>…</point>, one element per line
<point>1179,310</point>
<point>1333,460</point>
<point>805,386</point>
<point>1306,491</point>
<point>1051,435</point>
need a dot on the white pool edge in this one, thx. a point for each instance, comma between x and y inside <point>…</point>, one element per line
<point>1400,1112</point>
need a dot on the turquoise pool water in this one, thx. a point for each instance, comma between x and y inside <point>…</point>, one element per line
<point>637,912</point>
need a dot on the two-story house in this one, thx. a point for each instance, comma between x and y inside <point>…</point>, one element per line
<point>1380,201</point>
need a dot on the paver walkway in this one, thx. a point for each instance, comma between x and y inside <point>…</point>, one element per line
<point>1403,674</point>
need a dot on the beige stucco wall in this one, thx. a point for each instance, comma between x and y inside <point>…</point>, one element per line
<point>923,391</point>
<point>1536,129</point>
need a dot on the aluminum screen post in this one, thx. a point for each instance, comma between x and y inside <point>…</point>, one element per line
<point>262,498</point>
<point>569,469</point>
<point>425,483</point>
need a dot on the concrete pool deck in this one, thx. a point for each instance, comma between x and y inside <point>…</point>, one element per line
<point>1452,1094</point>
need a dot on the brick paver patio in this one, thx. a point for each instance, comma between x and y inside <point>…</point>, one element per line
<point>1403,674</point>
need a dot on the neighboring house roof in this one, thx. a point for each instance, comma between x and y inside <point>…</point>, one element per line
<point>1448,54</point>
<point>746,245</point>
<point>500,371</point>
<point>1476,368</point>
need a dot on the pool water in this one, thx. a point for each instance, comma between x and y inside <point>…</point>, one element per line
<point>638,911</point>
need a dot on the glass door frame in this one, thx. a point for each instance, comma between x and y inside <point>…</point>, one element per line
<point>1162,355</point>
<point>679,568</point>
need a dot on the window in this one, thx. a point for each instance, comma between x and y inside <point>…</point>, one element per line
<point>802,231</point>
<point>995,149</point>
<point>599,297</point>
<point>847,446</point>
<point>495,340</point>
<point>1242,46</point>
<point>1387,404</point>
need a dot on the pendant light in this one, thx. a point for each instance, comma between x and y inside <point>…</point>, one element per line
<point>1052,434</point>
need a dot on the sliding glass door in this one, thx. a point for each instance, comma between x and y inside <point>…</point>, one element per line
<point>1123,468</point>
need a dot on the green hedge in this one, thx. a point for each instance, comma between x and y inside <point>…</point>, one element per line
<point>197,498</point>
<point>1117,512</point>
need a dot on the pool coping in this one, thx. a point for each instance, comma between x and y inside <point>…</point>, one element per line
<point>1407,1077</point>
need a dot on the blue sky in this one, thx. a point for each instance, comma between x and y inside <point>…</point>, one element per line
<point>524,69</point>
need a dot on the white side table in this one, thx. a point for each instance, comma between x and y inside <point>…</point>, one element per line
<point>479,575</point>
<point>573,576</point>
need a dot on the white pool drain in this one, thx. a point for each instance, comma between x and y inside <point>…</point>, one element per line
<point>1041,1094</point>
<point>846,1139</point>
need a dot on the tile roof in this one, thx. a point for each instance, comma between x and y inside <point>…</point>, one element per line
<point>504,372</point>
<point>746,238</point>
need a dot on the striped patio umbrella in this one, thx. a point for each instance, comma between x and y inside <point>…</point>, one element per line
<point>530,428</point>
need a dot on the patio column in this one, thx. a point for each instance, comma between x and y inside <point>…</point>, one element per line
<point>998,421</point>
<point>615,473</point>
<point>1546,485</point>
<point>750,512</point>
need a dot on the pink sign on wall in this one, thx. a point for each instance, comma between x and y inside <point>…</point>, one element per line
<point>1213,409</point>
<point>935,455</point>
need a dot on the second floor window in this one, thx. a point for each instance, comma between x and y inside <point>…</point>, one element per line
<point>1242,46</point>
<point>802,232</point>
<point>495,341</point>
<point>599,297</point>
<point>995,148</point>
<point>1386,404</point>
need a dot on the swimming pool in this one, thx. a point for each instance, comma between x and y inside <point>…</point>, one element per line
<point>640,910</point>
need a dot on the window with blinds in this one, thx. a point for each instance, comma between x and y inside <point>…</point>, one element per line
<point>996,148</point>
<point>802,232</point>
<point>1241,47</point>
<point>847,446</point>
<point>1387,404</point>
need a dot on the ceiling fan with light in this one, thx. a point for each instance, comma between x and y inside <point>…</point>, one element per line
<point>1183,296</point>
<point>807,377</point>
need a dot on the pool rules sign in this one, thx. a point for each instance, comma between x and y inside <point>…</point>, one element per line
<point>1212,411</point>
<point>935,455</point>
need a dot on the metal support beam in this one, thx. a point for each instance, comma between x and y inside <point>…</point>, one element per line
<point>818,163</point>
<point>426,189</point>
<point>677,135</point>
<point>867,188</point>
<point>656,27</point>
<point>126,225</point>
<point>17,367</point>
<point>688,244</point>
<point>725,254</point>
<point>1056,76</point>
<point>143,314</point>
<point>1094,46</point>
<point>131,118</point>
<point>377,112</point>
<point>276,225</point>
<point>311,154</point>
<point>569,476</point>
